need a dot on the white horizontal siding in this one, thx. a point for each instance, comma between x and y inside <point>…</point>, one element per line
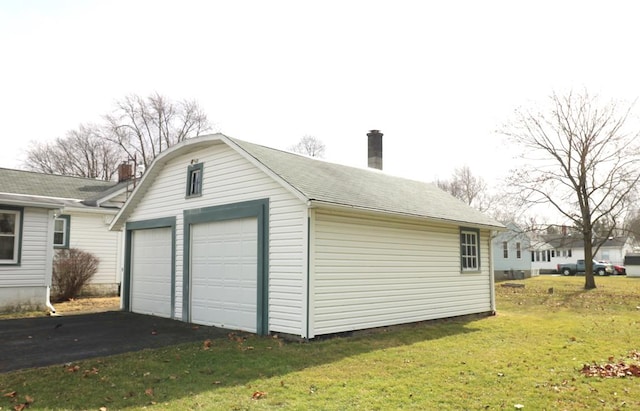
<point>229,178</point>
<point>37,245</point>
<point>90,232</point>
<point>371,272</point>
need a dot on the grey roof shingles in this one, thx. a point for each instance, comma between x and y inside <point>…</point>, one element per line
<point>329,183</point>
<point>51,185</point>
<point>364,188</point>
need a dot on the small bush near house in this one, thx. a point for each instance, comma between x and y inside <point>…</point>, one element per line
<point>72,269</point>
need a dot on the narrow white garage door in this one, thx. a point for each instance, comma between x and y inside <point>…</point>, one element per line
<point>151,272</point>
<point>224,273</point>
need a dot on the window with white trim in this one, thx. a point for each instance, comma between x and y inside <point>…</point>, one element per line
<point>469,250</point>
<point>505,249</point>
<point>518,251</point>
<point>61,231</point>
<point>10,230</point>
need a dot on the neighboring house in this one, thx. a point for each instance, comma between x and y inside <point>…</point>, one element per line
<point>228,233</point>
<point>42,212</point>
<point>562,249</point>
<point>512,254</point>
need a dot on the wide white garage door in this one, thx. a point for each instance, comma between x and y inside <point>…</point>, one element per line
<point>224,273</point>
<point>151,272</point>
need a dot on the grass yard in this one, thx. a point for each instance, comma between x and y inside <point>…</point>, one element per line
<point>530,354</point>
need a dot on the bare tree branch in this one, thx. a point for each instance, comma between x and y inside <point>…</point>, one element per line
<point>309,146</point>
<point>146,127</point>
<point>582,161</point>
<point>82,152</point>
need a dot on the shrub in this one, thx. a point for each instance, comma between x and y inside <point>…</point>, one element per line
<point>72,269</point>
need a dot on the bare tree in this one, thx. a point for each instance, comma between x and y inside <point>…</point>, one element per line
<point>309,146</point>
<point>473,190</point>
<point>580,161</point>
<point>82,152</point>
<point>144,127</point>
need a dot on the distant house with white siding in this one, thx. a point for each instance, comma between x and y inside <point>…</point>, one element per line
<point>562,249</point>
<point>228,233</point>
<point>511,254</point>
<point>42,212</point>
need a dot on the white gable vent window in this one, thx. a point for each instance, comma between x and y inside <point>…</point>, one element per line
<point>194,180</point>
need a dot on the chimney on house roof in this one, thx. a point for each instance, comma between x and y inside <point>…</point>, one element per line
<point>125,172</point>
<point>375,149</point>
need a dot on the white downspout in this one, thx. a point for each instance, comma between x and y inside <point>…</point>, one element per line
<point>49,261</point>
<point>492,281</point>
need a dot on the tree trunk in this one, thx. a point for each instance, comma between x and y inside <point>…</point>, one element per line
<point>589,279</point>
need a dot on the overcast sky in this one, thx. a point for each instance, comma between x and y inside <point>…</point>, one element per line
<point>437,78</point>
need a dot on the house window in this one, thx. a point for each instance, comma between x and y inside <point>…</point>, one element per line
<point>518,251</point>
<point>469,250</point>
<point>505,249</point>
<point>10,230</point>
<point>569,252</point>
<point>61,232</point>
<point>194,180</point>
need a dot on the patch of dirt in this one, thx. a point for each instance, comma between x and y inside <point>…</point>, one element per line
<point>88,305</point>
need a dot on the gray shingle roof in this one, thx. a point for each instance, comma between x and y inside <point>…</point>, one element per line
<point>369,189</point>
<point>51,185</point>
<point>328,183</point>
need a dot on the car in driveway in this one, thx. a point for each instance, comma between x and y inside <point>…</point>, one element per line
<point>617,268</point>
<point>580,267</point>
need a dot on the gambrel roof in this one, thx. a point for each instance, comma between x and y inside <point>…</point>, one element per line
<point>322,183</point>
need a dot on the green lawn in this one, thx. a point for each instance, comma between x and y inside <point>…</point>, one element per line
<point>530,354</point>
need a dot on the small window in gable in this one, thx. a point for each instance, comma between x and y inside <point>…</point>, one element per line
<point>194,180</point>
<point>470,250</point>
<point>10,230</point>
<point>61,228</point>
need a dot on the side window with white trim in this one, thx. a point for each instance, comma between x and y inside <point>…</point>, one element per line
<point>10,232</point>
<point>469,249</point>
<point>61,228</point>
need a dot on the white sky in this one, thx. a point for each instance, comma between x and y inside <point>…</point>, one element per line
<point>437,78</point>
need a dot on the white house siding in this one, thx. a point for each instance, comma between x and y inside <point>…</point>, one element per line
<point>372,272</point>
<point>230,178</point>
<point>90,232</point>
<point>25,285</point>
<point>512,266</point>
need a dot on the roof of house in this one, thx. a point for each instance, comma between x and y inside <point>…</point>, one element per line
<point>325,183</point>
<point>576,241</point>
<point>29,184</point>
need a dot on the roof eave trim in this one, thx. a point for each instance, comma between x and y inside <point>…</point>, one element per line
<point>338,206</point>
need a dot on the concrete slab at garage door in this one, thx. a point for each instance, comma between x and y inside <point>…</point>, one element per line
<point>224,273</point>
<point>151,272</point>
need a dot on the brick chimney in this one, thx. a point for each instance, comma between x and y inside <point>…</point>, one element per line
<point>125,172</point>
<point>375,149</point>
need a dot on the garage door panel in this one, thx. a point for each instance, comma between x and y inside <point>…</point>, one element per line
<point>224,273</point>
<point>151,272</point>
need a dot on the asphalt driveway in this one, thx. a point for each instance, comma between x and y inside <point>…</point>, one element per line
<point>44,341</point>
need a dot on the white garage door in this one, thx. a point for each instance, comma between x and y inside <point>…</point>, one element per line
<point>151,272</point>
<point>224,267</point>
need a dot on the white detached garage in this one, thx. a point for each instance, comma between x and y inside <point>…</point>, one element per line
<point>227,233</point>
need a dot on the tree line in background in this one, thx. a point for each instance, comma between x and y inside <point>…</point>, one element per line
<point>137,128</point>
